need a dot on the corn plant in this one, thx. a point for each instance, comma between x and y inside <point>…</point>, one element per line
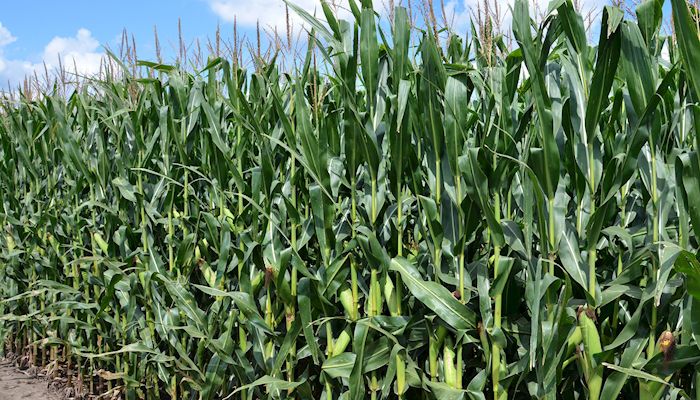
<point>393,216</point>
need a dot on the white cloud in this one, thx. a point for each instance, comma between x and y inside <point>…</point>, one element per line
<point>80,52</point>
<point>12,72</point>
<point>5,36</point>
<point>9,69</point>
<point>268,12</point>
<point>665,53</point>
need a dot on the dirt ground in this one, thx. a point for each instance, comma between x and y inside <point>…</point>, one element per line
<point>14,385</point>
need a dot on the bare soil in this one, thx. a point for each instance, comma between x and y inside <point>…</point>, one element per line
<point>17,385</point>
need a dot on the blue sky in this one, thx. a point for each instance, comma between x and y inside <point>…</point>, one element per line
<point>34,32</point>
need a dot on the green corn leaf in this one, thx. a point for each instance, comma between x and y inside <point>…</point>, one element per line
<point>435,297</point>
<point>688,42</point>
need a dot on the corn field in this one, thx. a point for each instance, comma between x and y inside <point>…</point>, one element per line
<point>404,214</point>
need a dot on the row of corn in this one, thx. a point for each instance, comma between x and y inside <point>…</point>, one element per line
<point>399,214</point>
